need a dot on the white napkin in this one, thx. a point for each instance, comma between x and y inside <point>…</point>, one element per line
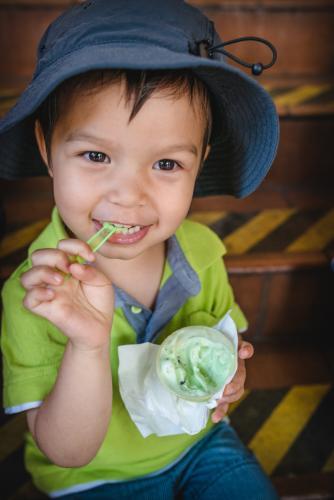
<point>152,407</point>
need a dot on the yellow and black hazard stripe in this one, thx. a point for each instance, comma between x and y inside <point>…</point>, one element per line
<point>8,97</point>
<point>271,230</point>
<point>290,431</point>
<point>17,239</point>
<point>303,99</point>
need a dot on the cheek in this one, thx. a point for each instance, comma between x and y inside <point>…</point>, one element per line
<point>71,191</point>
<point>174,202</point>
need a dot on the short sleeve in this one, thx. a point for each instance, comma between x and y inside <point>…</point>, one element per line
<point>32,350</point>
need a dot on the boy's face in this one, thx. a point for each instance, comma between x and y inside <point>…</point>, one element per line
<point>140,173</point>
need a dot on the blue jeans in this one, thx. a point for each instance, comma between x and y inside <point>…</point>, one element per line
<point>217,467</point>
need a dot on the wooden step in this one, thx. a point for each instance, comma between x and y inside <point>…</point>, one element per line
<point>304,157</point>
<point>306,487</point>
<point>279,266</point>
<point>298,97</point>
<point>301,32</point>
<point>276,365</point>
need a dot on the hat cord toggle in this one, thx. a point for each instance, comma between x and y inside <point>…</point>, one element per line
<point>257,68</point>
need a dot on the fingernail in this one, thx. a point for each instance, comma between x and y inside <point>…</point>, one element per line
<point>57,278</point>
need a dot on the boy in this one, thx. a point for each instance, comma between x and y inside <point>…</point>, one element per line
<point>126,117</point>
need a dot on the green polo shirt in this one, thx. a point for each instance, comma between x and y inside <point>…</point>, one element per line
<point>33,349</point>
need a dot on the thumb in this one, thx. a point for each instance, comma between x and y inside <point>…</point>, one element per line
<point>246,350</point>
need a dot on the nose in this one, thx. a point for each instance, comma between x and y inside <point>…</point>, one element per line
<point>127,188</point>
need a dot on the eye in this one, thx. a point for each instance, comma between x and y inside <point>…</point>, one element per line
<point>95,156</point>
<point>166,165</point>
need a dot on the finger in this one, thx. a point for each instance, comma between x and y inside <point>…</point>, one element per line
<point>246,350</point>
<point>236,386</point>
<point>36,296</point>
<point>219,413</point>
<point>237,382</point>
<point>230,391</point>
<point>88,275</point>
<point>39,276</point>
<point>77,247</point>
<point>232,397</point>
<point>51,257</point>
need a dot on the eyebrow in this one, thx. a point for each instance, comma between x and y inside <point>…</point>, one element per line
<point>83,136</point>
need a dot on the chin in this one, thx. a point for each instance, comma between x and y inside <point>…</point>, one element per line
<point>122,253</point>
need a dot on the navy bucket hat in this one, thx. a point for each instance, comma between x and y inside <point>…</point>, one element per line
<point>151,35</point>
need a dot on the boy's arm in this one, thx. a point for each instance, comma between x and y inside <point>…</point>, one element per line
<point>71,423</point>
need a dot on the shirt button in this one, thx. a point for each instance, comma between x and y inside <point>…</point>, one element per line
<point>136,310</point>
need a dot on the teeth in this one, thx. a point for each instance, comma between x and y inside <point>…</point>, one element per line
<point>119,225</point>
<point>134,229</point>
<point>126,229</point>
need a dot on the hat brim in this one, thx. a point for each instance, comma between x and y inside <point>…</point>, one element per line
<point>240,156</point>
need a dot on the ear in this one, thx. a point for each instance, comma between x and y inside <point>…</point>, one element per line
<point>41,145</point>
<point>207,152</point>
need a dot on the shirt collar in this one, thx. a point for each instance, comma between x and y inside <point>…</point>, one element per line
<point>183,273</point>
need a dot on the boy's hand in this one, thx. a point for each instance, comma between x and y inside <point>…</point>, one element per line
<point>81,305</point>
<point>235,389</point>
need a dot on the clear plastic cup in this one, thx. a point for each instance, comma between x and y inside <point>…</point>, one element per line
<point>195,362</point>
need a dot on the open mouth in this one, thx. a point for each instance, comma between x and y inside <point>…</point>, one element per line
<point>125,233</point>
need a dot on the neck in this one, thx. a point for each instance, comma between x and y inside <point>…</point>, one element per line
<point>116,269</point>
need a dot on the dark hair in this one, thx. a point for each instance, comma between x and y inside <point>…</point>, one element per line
<point>139,87</point>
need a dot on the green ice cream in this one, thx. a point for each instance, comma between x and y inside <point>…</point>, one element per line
<point>194,362</point>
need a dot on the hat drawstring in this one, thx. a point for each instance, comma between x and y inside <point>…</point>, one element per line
<point>257,68</point>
